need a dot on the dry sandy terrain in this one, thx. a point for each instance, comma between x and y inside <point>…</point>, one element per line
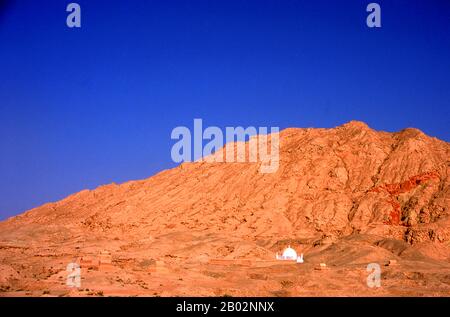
<point>347,197</point>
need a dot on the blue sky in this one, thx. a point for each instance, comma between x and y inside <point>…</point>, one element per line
<point>89,106</point>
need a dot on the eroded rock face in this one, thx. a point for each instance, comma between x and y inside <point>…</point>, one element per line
<point>331,184</point>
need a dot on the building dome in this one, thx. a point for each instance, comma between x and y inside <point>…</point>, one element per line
<point>289,254</point>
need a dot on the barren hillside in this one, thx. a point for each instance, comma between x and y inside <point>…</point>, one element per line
<point>346,197</point>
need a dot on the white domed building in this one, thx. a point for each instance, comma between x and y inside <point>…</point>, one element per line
<point>289,254</point>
